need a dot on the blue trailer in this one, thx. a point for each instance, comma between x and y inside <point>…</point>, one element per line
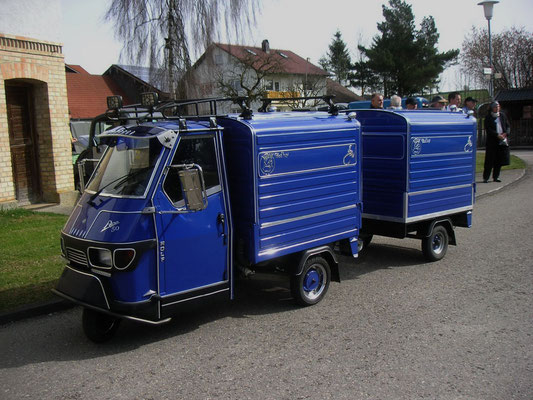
<point>418,175</point>
<point>178,206</point>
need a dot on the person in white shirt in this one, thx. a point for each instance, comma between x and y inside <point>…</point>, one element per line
<point>454,101</point>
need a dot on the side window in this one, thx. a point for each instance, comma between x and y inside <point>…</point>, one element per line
<point>193,150</point>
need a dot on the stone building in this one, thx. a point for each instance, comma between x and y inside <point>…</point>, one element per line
<point>35,148</point>
<point>35,145</point>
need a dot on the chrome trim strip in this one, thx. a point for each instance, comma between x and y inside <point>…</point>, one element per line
<point>133,258</point>
<point>440,189</point>
<point>95,277</point>
<point>317,214</point>
<point>418,217</point>
<point>146,321</point>
<point>195,289</point>
<point>439,214</point>
<point>99,266</point>
<point>196,297</point>
<point>113,243</point>
<point>277,249</point>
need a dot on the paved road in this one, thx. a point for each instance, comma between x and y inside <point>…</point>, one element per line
<point>395,328</point>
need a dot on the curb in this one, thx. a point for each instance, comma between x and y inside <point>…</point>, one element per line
<point>34,310</point>
<point>490,192</point>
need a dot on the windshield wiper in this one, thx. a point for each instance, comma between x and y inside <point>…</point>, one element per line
<point>119,181</point>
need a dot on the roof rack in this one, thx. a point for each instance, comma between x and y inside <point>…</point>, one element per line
<point>328,99</point>
<point>151,108</point>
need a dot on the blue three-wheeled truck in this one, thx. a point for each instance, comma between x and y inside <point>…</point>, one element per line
<point>178,206</point>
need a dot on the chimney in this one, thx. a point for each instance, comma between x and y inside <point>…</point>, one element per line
<point>265,46</point>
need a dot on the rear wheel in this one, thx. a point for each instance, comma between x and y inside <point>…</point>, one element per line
<point>99,327</point>
<point>311,285</point>
<point>434,246</point>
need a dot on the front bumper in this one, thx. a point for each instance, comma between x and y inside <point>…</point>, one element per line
<point>91,291</point>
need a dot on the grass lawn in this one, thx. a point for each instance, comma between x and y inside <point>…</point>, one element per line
<point>30,260</point>
<point>516,163</point>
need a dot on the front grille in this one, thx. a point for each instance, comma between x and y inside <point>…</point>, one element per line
<point>76,256</point>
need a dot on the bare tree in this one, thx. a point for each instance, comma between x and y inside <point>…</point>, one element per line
<point>168,34</point>
<point>247,74</point>
<point>512,57</point>
<point>307,87</point>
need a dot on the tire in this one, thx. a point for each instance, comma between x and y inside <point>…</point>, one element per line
<point>434,247</point>
<point>99,327</point>
<point>311,285</point>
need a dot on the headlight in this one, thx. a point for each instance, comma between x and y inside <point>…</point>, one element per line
<point>100,258</point>
<point>123,258</point>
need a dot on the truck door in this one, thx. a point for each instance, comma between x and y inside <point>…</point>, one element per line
<point>193,246</point>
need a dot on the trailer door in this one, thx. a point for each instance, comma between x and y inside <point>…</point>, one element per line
<point>193,245</point>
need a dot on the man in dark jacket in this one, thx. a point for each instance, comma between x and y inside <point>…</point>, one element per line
<point>498,128</point>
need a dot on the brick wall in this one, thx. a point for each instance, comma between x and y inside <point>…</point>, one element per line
<point>42,65</point>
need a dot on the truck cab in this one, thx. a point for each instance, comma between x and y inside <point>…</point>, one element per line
<point>177,206</point>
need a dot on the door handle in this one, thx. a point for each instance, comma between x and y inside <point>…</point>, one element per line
<point>221,219</point>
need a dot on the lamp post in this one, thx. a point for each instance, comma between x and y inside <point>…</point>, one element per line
<point>487,9</point>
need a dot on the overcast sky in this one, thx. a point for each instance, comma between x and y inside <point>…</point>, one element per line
<point>305,27</point>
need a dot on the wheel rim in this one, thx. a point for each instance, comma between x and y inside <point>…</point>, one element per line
<point>314,281</point>
<point>437,244</point>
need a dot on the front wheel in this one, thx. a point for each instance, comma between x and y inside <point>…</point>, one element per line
<point>97,326</point>
<point>434,247</point>
<point>311,285</point>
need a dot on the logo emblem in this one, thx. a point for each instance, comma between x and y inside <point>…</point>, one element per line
<point>349,158</point>
<point>416,146</point>
<point>111,225</point>
<point>469,145</point>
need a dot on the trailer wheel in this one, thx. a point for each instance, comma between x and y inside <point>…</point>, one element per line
<point>97,326</point>
<point>311,285</point>
<point>434,246</point>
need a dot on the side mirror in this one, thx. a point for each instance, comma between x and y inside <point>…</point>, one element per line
<point>193,187</point>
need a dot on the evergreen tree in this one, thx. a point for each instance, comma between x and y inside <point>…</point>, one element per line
<point>406,59</point>
<point>337,60</point>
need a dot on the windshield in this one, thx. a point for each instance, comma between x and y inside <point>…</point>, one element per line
<point>126,168</point>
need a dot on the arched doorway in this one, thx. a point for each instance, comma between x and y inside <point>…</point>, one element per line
<point>23,141</point>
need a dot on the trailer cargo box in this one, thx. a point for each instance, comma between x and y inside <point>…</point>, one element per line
<point>293,180</point>
<point>418,169</point>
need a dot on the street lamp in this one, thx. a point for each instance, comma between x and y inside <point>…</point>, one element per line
<point>487,9</point>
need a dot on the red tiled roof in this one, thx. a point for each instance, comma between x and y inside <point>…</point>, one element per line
<point>78,68</point>
<point>291,64</point>
<point>87,94</point>
<point>342,94</point>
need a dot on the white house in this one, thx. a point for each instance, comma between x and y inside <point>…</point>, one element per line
<point>234,70</point>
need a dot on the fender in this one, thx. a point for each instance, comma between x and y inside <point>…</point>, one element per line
<point>328,254</point>
<point>447,223</point>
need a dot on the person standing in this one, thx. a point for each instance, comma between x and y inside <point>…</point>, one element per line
<point>454,101</point>
<point>395,103</point>
<point>470,104</point>
<point>498,128</point>
<point>438,103</point>
<point>376,101</point>
<point>411,104</point>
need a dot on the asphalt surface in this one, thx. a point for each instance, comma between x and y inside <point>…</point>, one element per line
<point>395,328</point>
